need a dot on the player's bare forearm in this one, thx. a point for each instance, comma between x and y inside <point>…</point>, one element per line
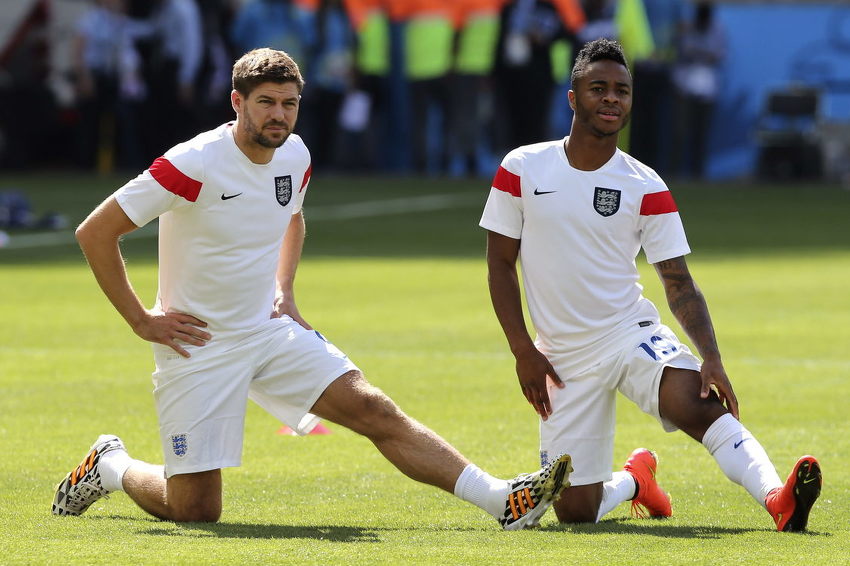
<point>98,237</point>
<point>532,367</point>
<point>503,283</point>
<point>688,305</point>
<point>290,254</point>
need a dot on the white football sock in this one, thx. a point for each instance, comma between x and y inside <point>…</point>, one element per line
<point>621,487</point>
<point>741,457</point>
<point>480,488</point>
<point>113,465</point>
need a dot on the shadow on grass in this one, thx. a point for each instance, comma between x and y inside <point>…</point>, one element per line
<point>333,533</point>
<point>658,528</point>
<point>354,534</point>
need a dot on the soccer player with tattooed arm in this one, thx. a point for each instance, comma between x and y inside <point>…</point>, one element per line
<point>575,213</point>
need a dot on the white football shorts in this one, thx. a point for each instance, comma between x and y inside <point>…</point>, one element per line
<point>584,412</point>
<point>201,401</point>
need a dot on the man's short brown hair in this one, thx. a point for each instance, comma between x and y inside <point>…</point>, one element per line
<point>265,65</point>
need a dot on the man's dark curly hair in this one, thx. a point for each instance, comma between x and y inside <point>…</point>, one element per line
<point>597,50</point>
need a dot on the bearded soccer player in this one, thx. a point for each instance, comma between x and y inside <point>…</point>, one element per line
<point>576,212</point>
<point>226,328</point>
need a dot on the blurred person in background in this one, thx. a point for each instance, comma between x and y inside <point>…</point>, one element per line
<point>477,23</point>
<point>173,51</point>
<point>428,47</point>
<point>330,74</point>
<point>599,21</point>
<point>700,50</point>
<point>108,87</point>
<point>25,68</point>
<point>651,127</point>
<point>364,127</point>
<point>285,25</point>
<point>214,81</point>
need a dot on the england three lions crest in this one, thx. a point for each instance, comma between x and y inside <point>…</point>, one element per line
<point>180,444</point>
<point>283,189</point>
<point>606,201</point>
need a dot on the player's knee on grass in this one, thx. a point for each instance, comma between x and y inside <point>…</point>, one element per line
<point>199,513</point>
<point>579,504</point>
<point>195,497</point>
<point>198,509</point>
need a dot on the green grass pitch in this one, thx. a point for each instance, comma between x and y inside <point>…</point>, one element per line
<point>397,280</point>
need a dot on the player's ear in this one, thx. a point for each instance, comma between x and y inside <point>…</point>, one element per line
<point>571,97</point>
<point>236,101</point>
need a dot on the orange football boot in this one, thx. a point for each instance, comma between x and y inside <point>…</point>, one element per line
<point>790,504</point>
<point>650,500</point>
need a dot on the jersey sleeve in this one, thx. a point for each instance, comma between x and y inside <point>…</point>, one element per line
<point>661,232</point>
<point>300,156</point>
<point>171,181</point>
<point>302,192</point>
<point>503,212</point>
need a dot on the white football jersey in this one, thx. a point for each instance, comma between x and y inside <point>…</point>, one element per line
<point>580,233</point>
<point>222,222</point>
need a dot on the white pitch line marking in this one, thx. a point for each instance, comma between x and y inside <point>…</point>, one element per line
<point>388,207</point>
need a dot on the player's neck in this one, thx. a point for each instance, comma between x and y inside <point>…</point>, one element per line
<point>589,152</point>
<point>255,152</point>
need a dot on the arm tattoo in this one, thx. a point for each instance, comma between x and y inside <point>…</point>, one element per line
<point>687,303</point>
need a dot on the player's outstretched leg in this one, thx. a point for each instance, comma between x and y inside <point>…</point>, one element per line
<point>649,500</point>
<point>532,494</point>
<point>83,486</point>
<point>790,504</point>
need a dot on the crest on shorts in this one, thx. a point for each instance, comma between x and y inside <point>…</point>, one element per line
<point>283,189</point>
<point>606,201</point>
<point>180,444</point>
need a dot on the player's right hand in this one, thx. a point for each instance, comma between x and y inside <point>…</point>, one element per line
<point>171,329</point>
<point>532,369</point>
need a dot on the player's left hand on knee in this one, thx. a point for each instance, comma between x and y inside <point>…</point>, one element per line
<point>714,377</point>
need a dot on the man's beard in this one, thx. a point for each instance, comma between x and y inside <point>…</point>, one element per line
<point>262,140</point>
<point>259,138</point>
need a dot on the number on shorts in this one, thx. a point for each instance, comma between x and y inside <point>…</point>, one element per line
<point>659,347</point>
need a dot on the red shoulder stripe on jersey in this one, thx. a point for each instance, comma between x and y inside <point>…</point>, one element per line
<point>173,180</point>
<point>307,174</point>
<point>507,182</point>
<point>657,203</point>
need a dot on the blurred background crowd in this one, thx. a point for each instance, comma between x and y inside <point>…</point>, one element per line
<point>437,87</point>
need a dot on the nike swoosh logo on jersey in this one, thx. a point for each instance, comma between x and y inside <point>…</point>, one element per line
<point>539,192</point>
<point>228,197</point>
<point>740,442</point>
